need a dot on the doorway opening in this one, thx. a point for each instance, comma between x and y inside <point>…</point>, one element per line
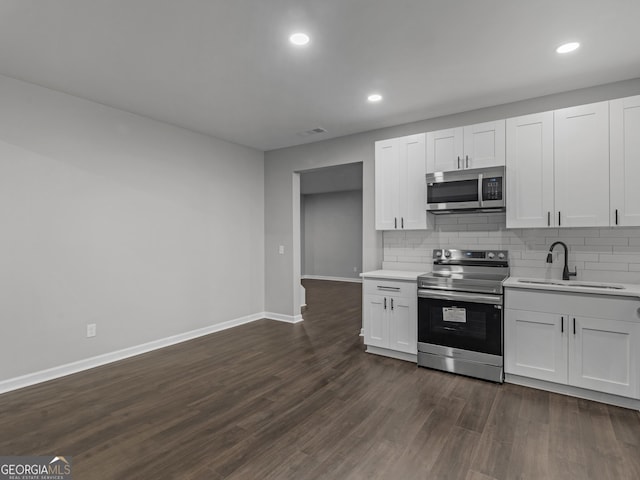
<point>329,230</point>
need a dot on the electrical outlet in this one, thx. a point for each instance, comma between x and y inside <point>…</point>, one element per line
<point>281,250</point>
<point>91,330</point>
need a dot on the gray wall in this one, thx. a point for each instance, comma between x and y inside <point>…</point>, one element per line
<point>332,179</point>
<point>145,229</point>
<point>332,239</point>
<point>280,166</point>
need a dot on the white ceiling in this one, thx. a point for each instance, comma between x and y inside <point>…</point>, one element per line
<point>225,67</point>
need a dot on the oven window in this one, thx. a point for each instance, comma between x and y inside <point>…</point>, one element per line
<point>469,326</point>
<point>447,192</point>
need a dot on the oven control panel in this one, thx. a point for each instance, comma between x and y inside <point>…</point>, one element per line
<point>489,256</point>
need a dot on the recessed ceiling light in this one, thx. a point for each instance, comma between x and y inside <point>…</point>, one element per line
<point>299,39</point>
<point>568,47</point>
<point>374,97</point>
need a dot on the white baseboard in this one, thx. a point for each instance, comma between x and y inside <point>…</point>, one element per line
<point>407,357</point>
<point>332,279</point>
<point>616,400</point>
<point>74,367</point>
<point>283,318</point>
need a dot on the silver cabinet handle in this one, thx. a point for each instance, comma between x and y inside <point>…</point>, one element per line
<point>385,303</point>
<point>401,222</point>
<point>467,157</point>
<point>616,216</point>
<point>458,162</point>
<point>395,222</point>
<point>562,325</point>
<point>548,219</point>
<point>389,289</point>
<point>392,304</point>
<point>559,222</point>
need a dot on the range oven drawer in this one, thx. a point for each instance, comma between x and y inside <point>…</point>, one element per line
<point>494,373</point>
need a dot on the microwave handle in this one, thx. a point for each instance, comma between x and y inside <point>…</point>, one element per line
<point>480,189</point>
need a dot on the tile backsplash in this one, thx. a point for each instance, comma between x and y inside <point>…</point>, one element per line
<point>600,254</point>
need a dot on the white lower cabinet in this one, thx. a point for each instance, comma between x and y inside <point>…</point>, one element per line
<point>585,341</point>
<point>603,355</point>
<point>535,345</point>
<point>389,314</point>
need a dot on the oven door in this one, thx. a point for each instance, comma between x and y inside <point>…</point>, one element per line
<point>460,321</point>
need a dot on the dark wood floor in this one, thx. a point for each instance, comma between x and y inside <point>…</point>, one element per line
<point>270,400</point>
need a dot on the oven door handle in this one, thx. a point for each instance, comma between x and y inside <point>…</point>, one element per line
<point>461,296</point>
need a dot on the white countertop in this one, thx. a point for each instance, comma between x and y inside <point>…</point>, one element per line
<point>393,275</point>
<point>576,286</point>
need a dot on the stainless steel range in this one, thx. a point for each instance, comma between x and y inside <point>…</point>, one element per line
<point>460,322</point>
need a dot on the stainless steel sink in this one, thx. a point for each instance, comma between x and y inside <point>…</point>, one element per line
<point>541,282</point>
<point>595,285</point>
<point>569,283</point>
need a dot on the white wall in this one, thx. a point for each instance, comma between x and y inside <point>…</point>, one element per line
<point>332,239</point>
<point>143,228</point>
<point>280,166</point>
<point>599,254</point>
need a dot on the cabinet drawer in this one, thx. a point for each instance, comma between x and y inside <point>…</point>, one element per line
<point>390,287</point>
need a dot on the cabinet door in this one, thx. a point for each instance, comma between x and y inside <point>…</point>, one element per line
<point>413,185</point>
<point>386,184</point>
<point>403,324</point>
<point>484,145</point>
<point>625,161</point>
<point>445,150</point>
<point>530,171</point>
<point>375,321</point>
<point>603,355</point>
<point>581,140</point>
<point>535,345</point>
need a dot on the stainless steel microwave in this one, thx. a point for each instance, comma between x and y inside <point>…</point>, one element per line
<point>470,190</point>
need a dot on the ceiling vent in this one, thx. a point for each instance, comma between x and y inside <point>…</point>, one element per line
<point>313,131</point>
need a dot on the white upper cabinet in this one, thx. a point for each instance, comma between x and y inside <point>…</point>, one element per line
<point>445,150</point>
<point>625,161</point>
<point>581,142</point>
<point>400,196</point>
<point>484,145</point>
<point>387,176</point>
<point>530,171</point>
<point>413,185</point>
<point>473,146</point>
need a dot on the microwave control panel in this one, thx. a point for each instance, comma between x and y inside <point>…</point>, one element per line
<point>492,188</point>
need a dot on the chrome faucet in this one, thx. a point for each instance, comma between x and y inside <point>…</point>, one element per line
<point>565,271</point>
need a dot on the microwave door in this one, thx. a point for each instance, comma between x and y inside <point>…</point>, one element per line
<point>459,194</point>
